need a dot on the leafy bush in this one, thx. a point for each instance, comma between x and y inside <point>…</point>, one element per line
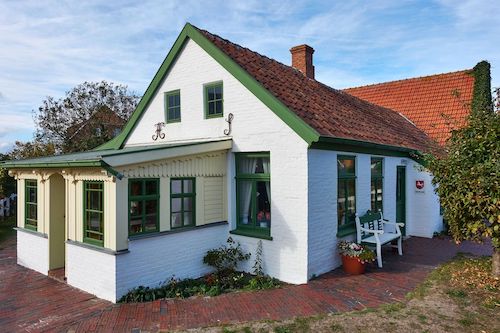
<point>225,259</point>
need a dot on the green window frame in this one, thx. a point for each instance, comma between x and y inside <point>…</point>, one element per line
<point>346,189</point>
<point>253,195</point>
<point>143,206</point>
<point>173,106</point>
<point>214,100</point>
<point>31,204</point>
<point>182,202</point>
<point>93,212</point>
<point>377,184</point>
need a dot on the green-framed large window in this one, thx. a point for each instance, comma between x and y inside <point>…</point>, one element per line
<point>182,202</point>
<point>346,190</point>
<point>214,100</point>
<point>31,204</point>
<point>143,203</point>
<point>253,194</point>
<point>93,212</point>
<point>377,181</point>
<point>173,106</point>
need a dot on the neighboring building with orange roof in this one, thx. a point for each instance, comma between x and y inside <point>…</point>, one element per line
<point>436,104</point>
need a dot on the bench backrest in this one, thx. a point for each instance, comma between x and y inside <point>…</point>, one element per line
<point>371,220</point>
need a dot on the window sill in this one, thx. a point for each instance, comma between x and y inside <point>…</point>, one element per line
<point>214,116</point>
<point>31,232</point>
<point>173,121</point>
<point>174,231</point>
<point>96,248</point>
<point>250,233</point>
<point>346,230</point>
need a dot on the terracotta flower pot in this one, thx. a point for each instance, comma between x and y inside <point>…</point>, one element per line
<point>352,265</point>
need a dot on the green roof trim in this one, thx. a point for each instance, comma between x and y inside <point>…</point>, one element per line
<point>305,131</point>
<point>356,146</point>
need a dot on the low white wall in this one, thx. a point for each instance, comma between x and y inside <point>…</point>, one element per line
<point>33,251</point>
<point>92,271</point>
<point>153,260</point>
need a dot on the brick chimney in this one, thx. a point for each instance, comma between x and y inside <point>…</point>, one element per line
<point>302,59</point>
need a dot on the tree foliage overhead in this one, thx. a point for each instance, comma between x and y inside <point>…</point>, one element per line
<point>56,116</point>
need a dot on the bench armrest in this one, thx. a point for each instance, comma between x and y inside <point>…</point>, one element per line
<point>393,223</point>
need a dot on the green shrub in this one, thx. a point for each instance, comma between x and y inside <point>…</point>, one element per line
<point>225,259</point>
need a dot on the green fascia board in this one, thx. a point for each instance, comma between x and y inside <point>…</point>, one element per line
<point>357,146</point>
<point>18,164</point>
<point>305,131</point>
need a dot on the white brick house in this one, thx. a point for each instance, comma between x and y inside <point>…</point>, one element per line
<point>251,148</point>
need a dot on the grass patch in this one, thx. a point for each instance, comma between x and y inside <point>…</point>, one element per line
<point>6,228</point>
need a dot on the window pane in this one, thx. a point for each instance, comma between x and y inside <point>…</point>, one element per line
<point>94,221</point>
<point>32,212</point>
<point>176,220</point>
<point>341,200</point>
<point>135,208</point>
<point>351,200</point>
<point>136,225</point>
<point>150,224</point>
<point>346,166</point>
<point>151,206</point>
<point>135,187</point>
<point>171,101</point>
<point>94,186</point>
<point>376,167</point>
<point>176,186</point>
<point>188,186</point>
<point>376,195</point>
<point>188,218</point>
<point>151,187</point>
<point>218,107</point>
<point>188,204</point>
<point>210,93</point>
<point>94,198</point>
<point>211,108</point>
<point>245,202</point>
<point>177,113</point>
<point>176,204</point>
<point>263,204</point>
<point>218,92</point>
<point>32,194</point>
<point>171,114</point>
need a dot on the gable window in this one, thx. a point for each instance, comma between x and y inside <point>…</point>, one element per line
<point>93,212</point>
<point>214,100</point>
<point>182,202</point>
<point>253,191</point>
<point>173,106</point>
<point>143,196</point>
<point>346,189</point>
<point>376,191</point>
<point>31,201</point>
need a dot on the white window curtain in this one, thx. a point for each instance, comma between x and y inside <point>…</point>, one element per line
<point>265,166</point>
<point>246,165</point>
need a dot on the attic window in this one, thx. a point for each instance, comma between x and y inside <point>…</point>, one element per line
<point>214,100</point>
<point>173,106</point>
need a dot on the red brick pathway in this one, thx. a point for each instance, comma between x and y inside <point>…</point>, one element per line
<point>31,302</point>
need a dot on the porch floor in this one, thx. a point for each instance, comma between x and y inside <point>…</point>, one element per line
<point>30,301</point>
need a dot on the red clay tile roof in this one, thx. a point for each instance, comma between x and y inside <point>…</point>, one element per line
<point>331,112</point>
<point>436,104</point>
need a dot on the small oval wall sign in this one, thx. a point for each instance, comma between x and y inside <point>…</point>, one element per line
<point>419,184</point>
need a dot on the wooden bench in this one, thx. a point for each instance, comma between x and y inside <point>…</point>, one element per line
<point>370,231</point>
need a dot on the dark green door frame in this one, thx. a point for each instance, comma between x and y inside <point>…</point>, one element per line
<point>401,197</point>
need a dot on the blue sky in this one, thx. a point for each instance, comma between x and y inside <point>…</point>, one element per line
<point>48,47</point>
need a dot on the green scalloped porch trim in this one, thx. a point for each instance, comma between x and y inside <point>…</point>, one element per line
<point>305,131</point>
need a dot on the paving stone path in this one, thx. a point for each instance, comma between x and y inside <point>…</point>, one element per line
<point>32,302</point>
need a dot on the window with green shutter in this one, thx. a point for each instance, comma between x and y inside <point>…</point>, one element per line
<point>182,202</point>
<point>143,197</point>
<point>214,102</point>
<point>31,204</point>
<point>377,179</point>
<point>93,212</point>
<point>346,190</point>
<point>173,106</point>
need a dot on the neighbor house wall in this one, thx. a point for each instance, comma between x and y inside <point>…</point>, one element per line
<point>255,128</point>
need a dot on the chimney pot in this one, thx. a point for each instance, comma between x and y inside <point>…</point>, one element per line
<point>302,59</point>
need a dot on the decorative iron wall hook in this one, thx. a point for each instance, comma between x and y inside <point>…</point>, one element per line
<point>158,132</point>
<point>229,120</point>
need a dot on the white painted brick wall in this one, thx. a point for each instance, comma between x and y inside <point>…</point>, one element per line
<point>156,259</point>
<point>33,252</point>
<point>92,271</point>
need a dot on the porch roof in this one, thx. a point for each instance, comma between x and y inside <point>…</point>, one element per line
<point>124,156</point>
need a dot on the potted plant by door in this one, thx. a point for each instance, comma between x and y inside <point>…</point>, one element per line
<point>354,257</point>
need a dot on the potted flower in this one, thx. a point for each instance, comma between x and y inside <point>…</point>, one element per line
<point>354,257</point>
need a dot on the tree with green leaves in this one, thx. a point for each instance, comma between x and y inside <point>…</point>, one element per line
<point>65,122</point>
<point>467,177</point>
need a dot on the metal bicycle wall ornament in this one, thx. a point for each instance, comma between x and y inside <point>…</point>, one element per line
<point>229,120</point>
<point>158,132</point>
